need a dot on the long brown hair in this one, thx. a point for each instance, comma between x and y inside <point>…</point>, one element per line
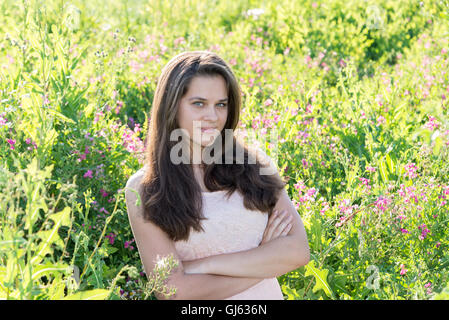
<point>171,196</point>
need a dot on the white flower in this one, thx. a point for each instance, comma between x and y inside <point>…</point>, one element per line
<point>255,13</point>
<point>106,27</point>
<point>162,263</point>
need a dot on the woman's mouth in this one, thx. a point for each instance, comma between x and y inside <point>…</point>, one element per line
<point>208,130</point>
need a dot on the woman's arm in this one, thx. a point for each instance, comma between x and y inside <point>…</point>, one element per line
<point>207,286</point>
<point>153,242</point>
<point>270,259</point>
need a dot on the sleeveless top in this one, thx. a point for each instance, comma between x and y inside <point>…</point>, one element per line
<point>229,227</point>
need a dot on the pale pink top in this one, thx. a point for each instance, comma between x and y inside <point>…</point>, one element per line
<point>230,227</point>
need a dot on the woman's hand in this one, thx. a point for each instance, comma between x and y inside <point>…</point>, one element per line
<point>278,225</point>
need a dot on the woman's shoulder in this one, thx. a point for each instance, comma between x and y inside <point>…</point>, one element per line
<point>135,179</point>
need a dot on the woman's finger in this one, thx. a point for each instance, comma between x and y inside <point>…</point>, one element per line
<point>273,226</point>
<point>286,230</point>
<point>273,216</point>
<point>281,226</point>
<point>268,226</point>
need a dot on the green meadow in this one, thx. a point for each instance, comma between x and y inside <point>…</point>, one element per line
<point>356,92</point>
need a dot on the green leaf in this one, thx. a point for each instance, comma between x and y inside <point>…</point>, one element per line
<point>96,294</point>
<point>60,116</point>
<point>316,232</point>
<point>320,277</point>
<point>11,244</point>
<point>291,293</point>
<point>390,163</point>
<point>46,269</point>
<point>353,174</point>
<point>437,146</point>
<point>11,271</point>
<point>56,290</point>
<point>111,250</point>
<point>37,203</point>
<point>49,237</point>
<point>383,170</point>
<point>443,295</point>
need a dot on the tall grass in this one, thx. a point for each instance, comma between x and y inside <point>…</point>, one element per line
<point>356,91</point>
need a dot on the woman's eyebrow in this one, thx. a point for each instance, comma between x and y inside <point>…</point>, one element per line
<point>199,98</point>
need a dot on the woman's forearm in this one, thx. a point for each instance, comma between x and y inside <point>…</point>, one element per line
<point>271,259</point>
<point>208,287</point>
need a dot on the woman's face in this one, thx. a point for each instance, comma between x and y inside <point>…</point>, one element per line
<point>205,105</point>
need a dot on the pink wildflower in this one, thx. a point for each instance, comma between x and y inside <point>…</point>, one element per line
<point>432,124</point>
<point>411,169</point>
<point>311,192</point>
<point>306,164</point>
<point>82,157</point>
<point>362,115</point>
<point>365,182</point>
<point>325,208</point>
<point>424,231</point>
<point>268,102</point>
<point>382,203</point>
<point>446,190</point>
<point>11,142</point>
<point>97,116</point>
<point>111,238</point>
<point>88,174</point>
<point>428,287</point>
<point>103,210</point>
<point>380,120</point>
<point>300,186</point>
<point>403,270</point>
<point>178,41</point>
<point>2,120</point>
<point>309,108</point>
<point>128,244</point>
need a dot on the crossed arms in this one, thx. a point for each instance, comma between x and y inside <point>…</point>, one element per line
<point>224,275</point>
<point>273,258</point>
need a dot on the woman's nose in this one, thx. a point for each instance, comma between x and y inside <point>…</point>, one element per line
<point>211,113</point>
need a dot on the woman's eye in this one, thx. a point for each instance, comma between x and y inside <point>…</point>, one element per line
<point>223,105</point>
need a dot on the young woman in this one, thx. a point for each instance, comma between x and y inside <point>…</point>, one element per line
<point>232,229</point>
